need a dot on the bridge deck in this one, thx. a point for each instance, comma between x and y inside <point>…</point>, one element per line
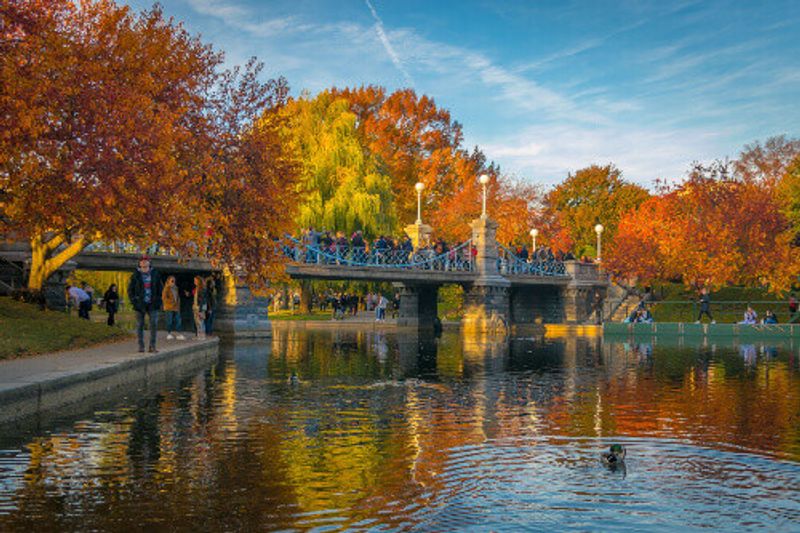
<point>400,275</point>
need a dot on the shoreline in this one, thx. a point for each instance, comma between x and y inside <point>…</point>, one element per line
<point>555,330</point>
<point>41,384</point>
<point>692,330</point>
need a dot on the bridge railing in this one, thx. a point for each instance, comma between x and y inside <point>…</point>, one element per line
<point>458,259</point>
<point>129,248</point>
<point>510,264</point>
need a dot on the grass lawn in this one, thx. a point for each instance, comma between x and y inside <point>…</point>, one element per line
<point>676,304</point>
<point>25,330</point>
<point>297,315</point>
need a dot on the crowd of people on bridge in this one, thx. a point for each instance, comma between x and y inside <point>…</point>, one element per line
<point>326,247</point>
<point>540,254</point>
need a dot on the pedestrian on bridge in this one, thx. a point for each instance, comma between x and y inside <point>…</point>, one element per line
<point>144,294</point>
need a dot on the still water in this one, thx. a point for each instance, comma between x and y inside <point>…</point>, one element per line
<point>387,431</point>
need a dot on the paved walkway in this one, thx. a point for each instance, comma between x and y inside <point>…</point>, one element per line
<point>30,377</point>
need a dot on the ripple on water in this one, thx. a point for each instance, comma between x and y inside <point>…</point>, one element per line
<point>502,440</point>
<point>559,483</point>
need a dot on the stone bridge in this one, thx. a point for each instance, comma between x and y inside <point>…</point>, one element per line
<point>240,312</point>
<point>501,292</point>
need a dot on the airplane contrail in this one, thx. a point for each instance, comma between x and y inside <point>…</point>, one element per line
<point>387,45</point>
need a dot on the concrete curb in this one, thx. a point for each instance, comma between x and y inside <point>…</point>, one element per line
<point>51,390</point>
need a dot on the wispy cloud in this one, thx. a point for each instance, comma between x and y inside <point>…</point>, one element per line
<point>388,45</point>
<point>657,101</point>
<point>242,18</point>
<point>579,48</point>
<point>547,152</point>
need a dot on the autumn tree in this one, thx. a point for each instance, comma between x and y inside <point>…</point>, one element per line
<point>767,162</point>
<point>712,229</point>
<point>416,141</point>
<point>342,186</point>
<point>592,195</point>
<point>120,126</point>
<point>247,196</point>
<point>788,195</point>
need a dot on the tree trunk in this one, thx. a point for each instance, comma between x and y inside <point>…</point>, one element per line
<point>306,296</point>
<point>44,259</point>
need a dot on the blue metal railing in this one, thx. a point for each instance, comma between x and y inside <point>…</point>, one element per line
<point>458,259</point>
<point>512,265</point>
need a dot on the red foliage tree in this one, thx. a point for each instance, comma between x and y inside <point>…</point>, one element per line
<point>118,126</point>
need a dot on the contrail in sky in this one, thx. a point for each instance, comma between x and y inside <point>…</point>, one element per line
<point>387,45</point>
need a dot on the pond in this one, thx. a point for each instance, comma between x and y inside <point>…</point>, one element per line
<point>397,431</point>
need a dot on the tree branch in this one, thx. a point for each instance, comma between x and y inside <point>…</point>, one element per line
<point>58,260</point>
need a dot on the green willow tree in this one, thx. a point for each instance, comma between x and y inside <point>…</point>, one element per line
<point>341,186</point>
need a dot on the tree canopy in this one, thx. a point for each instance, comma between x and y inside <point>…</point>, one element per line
<point>120,126</point>
<point>592,195</point>
<point>342,186</point>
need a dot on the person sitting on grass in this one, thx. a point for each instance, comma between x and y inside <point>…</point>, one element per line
<point>750,317</point>
<point>770,318</point>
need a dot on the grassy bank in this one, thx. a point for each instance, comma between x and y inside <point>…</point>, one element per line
<point>677,304</point>
<point>296,315</point>
<point>25,330</point>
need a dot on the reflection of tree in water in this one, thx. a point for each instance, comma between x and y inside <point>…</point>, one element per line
<point>364,432</point>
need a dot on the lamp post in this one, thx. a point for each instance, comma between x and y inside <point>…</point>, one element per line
<point>419,187</point>
<point>534,233</point>
<point>484,179</point>
<point>599,230</point>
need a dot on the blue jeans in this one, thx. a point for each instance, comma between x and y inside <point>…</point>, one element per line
<point>173,321</point>
<point>209,321</point>
<point>153,327</point>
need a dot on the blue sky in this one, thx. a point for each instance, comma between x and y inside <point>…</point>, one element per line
<point>544,88</point>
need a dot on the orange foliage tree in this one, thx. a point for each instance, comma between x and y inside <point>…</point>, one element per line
<point>118,126</point>
<point>592,195</point>
<point>416,141</point>
<point>767,162</point>
<point>248,197</point>
<point>711,230</point>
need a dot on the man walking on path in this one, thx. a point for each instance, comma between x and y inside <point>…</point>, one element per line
<point>705,306</point>
<point>144,293</point>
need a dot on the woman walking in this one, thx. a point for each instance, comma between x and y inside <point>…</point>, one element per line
<point>111,303</point>
<point>199,307</point>
<point>172,306</point>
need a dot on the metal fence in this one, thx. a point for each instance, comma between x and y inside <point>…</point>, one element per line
<point>459,259</point>
<point>723,311</point>
<point>510,264</point>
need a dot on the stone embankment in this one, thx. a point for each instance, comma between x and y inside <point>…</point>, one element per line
<point>77,379</point>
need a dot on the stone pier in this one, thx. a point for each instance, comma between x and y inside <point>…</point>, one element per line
<point>242,313</point>
<point>486,300</point>
<point>418,305</point>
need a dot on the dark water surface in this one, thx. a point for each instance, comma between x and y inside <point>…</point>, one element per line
<point>392,431</point>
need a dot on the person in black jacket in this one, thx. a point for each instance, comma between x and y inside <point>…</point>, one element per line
<point>111,303</point>
<point>144,294</point>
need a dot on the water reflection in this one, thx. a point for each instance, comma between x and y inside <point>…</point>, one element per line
<point>385,430</point>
